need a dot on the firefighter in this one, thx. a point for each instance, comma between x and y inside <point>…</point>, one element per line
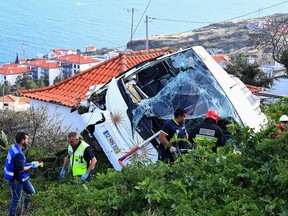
<point>80,157</point>
<point>209,129</point>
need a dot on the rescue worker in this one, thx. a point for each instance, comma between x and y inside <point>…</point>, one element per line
<point>282,126</point>
<point>80,157</point>
<point>175,126</point>
<point>209,129</point>
<point>16,172</point>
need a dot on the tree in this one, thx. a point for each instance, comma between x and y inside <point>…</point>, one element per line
<point>273,38</point>
<point>248,73</point>
<point>41,83</point>
<point>284,59</point>
<point>24,82</point>
<point>7,88</point>
<point>45,132</point>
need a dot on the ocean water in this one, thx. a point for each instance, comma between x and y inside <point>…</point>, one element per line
<point>37,26</point>
<point>279,86</point>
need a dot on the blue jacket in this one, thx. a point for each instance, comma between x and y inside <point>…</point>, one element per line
<point>10,171</point>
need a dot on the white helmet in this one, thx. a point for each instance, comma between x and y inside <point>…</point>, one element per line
<point>283,118</point>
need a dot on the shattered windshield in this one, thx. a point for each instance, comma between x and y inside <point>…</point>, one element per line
<point>192,87</point>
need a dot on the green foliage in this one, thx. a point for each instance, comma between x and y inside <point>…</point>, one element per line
<point>248,176</point>
<point>25,82</point>
<point>3,140</point>
<point>284,59</point>
<point>248,73</point>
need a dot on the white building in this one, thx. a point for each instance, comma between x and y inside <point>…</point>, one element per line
<point>10,72</point>
<point>14,103</point>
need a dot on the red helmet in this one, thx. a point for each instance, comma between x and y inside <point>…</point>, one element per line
<point>212,114</point>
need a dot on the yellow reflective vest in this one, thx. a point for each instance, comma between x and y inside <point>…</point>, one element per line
<point>77,161</point>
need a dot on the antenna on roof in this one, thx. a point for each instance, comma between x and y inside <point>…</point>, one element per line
<point>23,42</point>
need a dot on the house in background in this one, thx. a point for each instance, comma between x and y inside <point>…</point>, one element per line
<point>221,59</point>
<point>61,97</point>
<point>10,72</point>
<point>72,64</point>
<point>55,53</point>
<point>14,103</point>
<point>90,48</point>
<point>44,68</point>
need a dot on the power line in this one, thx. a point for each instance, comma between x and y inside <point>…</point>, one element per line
<point>257,11</point>
<point>173,20</point>
<point>141,17</point>
<point>187,21</point>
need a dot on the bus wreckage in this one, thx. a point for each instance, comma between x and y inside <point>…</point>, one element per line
<point>125,115</point>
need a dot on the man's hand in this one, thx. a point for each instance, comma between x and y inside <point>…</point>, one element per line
<point>62,173</point>
<point>84,176</point>
<point>173,149</point>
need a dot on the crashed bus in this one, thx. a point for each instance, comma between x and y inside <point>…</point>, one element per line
<point>125,115</point>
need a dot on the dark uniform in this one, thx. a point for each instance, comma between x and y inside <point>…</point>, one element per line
<point>209,129</point>
<point>170,128</point>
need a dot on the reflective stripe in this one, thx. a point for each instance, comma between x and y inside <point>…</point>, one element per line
<point>14,149</point>
<point>8,172</point>
<point>24,179</point>
<point>78,168</point>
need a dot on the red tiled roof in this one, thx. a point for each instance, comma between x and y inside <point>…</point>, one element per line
<point>254,89</point>
<point>76,59</point>
<point>11,99</point>
<point>44,63</point>
<point>10,69</point>
<point>60,52</point>
<point>71,91</point>
<point>221,58</point>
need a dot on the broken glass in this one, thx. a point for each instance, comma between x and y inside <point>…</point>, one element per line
<point>188,84</point>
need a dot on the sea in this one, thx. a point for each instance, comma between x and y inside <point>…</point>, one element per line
<point>32,28</point>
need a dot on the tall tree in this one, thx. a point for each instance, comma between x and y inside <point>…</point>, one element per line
<point>273,37</point>
<point>248,73</point>
<point>17,59</point>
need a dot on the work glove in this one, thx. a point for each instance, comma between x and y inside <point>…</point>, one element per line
<point>84,176</point>
<point>33,166</point>
<point>173,149</point>
<point>62,173</point>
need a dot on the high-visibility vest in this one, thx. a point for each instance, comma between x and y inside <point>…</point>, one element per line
<point>9,169</point>
<point>77,161</point>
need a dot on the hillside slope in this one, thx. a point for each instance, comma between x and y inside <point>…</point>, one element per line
<point>228,36</point>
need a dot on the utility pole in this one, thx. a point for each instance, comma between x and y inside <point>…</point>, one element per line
<point>3,94</point>
<point>147,46</point>
<point>132,22</point>
<point>23,47</point>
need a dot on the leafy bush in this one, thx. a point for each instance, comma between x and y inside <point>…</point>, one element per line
<point>248,176</point>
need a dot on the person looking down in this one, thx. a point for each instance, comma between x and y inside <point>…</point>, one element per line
<point>16,171</point>
<point>80,158</point>
<point>173,127</point>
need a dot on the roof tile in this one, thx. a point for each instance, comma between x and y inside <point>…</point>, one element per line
<point>71,91</point>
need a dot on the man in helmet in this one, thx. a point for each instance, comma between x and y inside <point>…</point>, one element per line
<point>283,126</point>
<point>209,129</point>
